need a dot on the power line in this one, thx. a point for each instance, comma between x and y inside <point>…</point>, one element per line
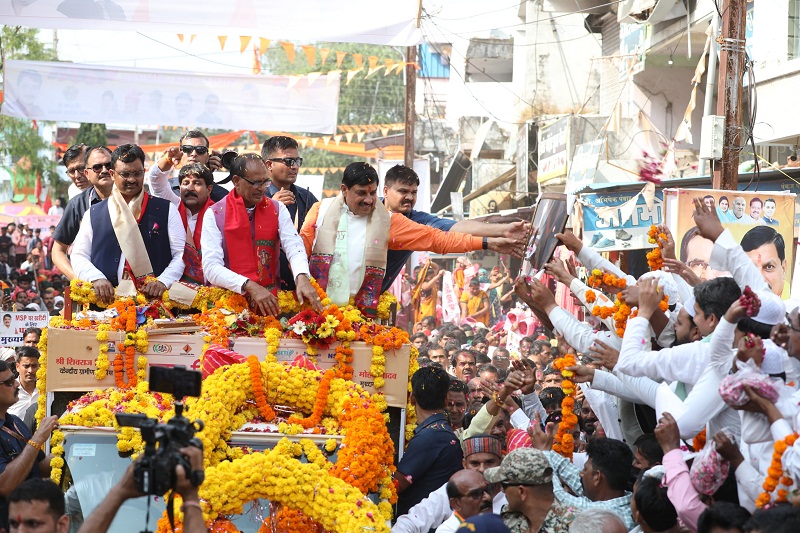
<point>191,54</point>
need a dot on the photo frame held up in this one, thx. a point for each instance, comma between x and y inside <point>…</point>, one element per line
<point>549,218</point>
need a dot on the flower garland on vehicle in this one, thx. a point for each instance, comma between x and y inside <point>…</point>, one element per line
<point>564,442</point>
<point>125,363</point>
<point>775,477</point>
<point>41,377</point>
<point>654,257</point>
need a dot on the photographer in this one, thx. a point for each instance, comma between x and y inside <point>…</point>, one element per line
<point>100,520</point>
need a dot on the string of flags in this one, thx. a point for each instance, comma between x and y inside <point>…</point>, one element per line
<point>374,64</point>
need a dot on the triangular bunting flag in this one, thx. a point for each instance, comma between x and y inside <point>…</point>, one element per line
<point>359,59</point>
<point>339,58</point>
<point>372,61</point>
<point>289,49</point>
<point>326,139</point>
<point>244,41</point>
<point>373,71</point>
<point>323,54</point>
<point>180,37</point>
<point>256,61</point>
<point>333,74</point>
<point>352,74</point>
<point>349,136</point>
<point>314,141</point>
<point>293,79</point>
<point>389,64</point>
<point>311,53</point>
<point>337,139</point>
<point>303,142</point>
<point>384,131</point>
<point>360,135</point>
<point>263,44</point>
<point>191,38</point>
<point>222,40</point>
<point>346,127</point>
<point>312,77</point>
<point>324,170</point>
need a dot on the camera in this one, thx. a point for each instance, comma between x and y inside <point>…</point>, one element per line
<point>155,472</point>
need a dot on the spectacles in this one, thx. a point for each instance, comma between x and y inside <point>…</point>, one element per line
<point>256,184</point>
<point>98,168</point>
<point>188,149</point>
<point>10,382</point>
<point>698,264</point>
<point>289,161</point>
<point>476,494</point>
<point>76,170</point>
<point>135,174</point>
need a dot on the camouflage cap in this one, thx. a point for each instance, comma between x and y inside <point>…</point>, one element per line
<point>526,466</point>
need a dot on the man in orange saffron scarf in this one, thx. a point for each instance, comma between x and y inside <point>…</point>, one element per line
<point>242,240</point>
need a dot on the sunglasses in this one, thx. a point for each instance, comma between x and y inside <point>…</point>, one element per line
<point>188,149</point>
<point>476,494</point>
<point>256,184</point>
<point>98,168</point>
<point>10,382</point>
<point>289,161</point>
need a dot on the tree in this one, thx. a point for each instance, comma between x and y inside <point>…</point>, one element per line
<point>92,134</point>
<point>378,99</point>
<point>19,138</point>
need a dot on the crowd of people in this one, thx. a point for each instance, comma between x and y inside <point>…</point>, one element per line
<point>685,409</point>
<point>686,404</point>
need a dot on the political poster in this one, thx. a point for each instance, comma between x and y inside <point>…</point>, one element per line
<point>14,324</point>
<point>72,92</point>
<point>762,222</point>
<point>619,221</point>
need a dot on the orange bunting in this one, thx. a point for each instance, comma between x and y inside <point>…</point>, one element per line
<point>222,40</point>
<point>323,54</point>
<point>180,37</point>
<point>312,77</point>
<point>244,42</point>
<point>339,58</point>
<point>311,53</point>
<point>359,59</point>
<point>372,61</point>
<point>263,44</point>
<point>289,49</point>
<point>333,75</point>
<point>352,74</point>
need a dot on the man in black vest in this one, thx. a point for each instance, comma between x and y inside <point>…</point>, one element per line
<point>130,235</point>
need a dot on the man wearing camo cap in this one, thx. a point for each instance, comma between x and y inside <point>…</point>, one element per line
<point>526,478</point>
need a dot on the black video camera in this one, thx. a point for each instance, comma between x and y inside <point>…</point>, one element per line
<point>155,472</point>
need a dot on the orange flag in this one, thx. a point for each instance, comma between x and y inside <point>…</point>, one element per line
<point>289,49</point>
<point>180,37</point>
<point>349,136</point>
<point>263,44</point>
<point>339,58</point>
<point>323,54</point>
<point>389,64</point>
<point>244,40</point>
<point>222,40</point>
<point>312,77</point>
<point>333,74</point>
<point>191,38</point>
<point>311,53</point>
<point>359,59</point>
<point>256,61</point>
<point>372,61</point>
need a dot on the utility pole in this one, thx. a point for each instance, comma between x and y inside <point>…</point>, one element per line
<point>729,91</point>
<point>411,112</point>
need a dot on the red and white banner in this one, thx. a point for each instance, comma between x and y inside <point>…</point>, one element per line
<point>100,94</point>
<point>357,21</point>
<point>451,312</point>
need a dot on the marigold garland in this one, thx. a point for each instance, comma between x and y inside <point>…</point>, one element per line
<point>654,257</point>
<point>775,477</point>
<point>258,389</point>
<point>591,297</point>
<point>41,378</point>
<point>564,442</point>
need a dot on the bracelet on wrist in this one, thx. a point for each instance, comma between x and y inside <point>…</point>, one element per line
<point>38,446</point>
<point>191,503</point>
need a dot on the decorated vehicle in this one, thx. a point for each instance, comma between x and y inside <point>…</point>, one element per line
<point>285,419</point>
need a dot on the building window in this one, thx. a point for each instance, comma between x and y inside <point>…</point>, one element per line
<point>793,49</point>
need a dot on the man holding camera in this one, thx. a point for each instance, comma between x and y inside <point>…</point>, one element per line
<point>21,453</point>
<point>101,518</point>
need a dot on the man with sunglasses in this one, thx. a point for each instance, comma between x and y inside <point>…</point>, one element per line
<point>283,162</point>
<point>526,478</point>
<point>95,165</point>
<point>130,235</point>
<point>243,237</point>
<point>21,451</point>
<point>469,495</point>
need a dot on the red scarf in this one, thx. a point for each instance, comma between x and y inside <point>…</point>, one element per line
<point>253,256</point>
<point>198,229</point>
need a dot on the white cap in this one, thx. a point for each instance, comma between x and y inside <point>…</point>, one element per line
<point>772,310</point>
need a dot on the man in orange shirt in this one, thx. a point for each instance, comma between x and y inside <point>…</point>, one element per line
<point>347,240</point>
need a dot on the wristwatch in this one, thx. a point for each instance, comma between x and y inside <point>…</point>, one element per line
<point>486,243</point>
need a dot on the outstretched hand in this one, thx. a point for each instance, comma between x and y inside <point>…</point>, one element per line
<point>707,220</point>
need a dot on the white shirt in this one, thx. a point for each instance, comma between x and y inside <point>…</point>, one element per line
<point>82,251</point>
<point>25,400</point>
<point>728,256</point>
<point>73,191</point>
<point>433,511</point>
<point>578,334</point>
<point>356,242</point>
<point>591,260</point>
<point>450,525</point>
<point>680,363</point>
<point>214,256</point>
<point>160,188</point>
<point>55,210</point>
